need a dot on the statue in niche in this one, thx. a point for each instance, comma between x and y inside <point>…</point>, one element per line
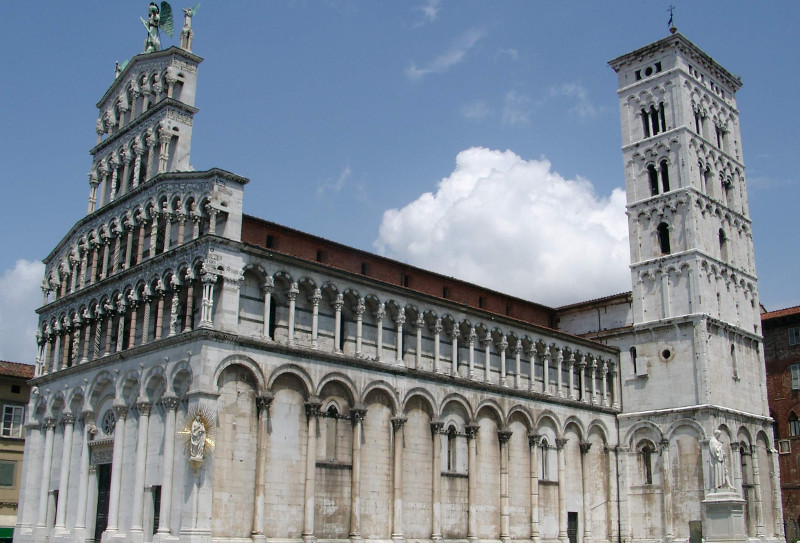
<point>198,438</point>
<point>719,470</point>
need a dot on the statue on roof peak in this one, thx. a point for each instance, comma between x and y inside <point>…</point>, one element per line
<point>157,19</point>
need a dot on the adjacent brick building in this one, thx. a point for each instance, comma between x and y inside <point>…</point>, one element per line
<point>782,354</point>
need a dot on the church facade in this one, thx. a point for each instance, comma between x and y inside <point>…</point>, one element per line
<point>206,375</point>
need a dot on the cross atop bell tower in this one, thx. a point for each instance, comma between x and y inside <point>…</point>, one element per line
<point>690,231</point>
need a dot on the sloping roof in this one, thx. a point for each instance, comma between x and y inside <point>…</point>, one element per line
<point>15,369</point>
<point>789,311</point>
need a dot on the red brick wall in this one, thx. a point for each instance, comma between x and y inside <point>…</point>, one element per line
<point>783,401</point>
<point>292,242</point>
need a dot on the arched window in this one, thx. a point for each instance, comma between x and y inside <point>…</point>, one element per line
<point>723,245</point>
<point>646,451</point>
<point>664,175</point>
<point>633,360</point>
<point>645,123</point>
<point>331,429</point>
<point>544,464</point>
<point>794,425</point>
<point>743,455</point>
<point>733,362</point>
<point>451,448</point>
<point>653,176</point>
<point>663,238</point>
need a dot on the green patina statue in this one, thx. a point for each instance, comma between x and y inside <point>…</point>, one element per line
<point>157,19</point>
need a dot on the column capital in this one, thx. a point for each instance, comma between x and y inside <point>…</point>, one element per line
<point>49,422</point>
<point>504,435</point>
<point>472,430</point>
<point>534,440</point>
<point>560,442</point>
<point>263,401</point>
<point>357,415</point>
<point>121,411</point>
<point>144,408</point>
<point>68,418</point>
<point>585,446</point>
<point>664,443</point>
<point>312,407</point>
<point>170,402</point>
<point>398,422</point>
<point>437,426</point>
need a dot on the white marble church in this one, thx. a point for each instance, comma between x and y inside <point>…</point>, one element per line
<point>204,375</point>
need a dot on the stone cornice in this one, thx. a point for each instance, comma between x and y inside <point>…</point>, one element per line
<point>692,193</point>
<point>142,57</point>
<point>682,256</point>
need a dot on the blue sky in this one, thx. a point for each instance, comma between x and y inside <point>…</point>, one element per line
<point>341,111</point>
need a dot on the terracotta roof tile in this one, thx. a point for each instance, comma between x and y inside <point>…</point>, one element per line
<point>15,369</point>
<point>781,313</point>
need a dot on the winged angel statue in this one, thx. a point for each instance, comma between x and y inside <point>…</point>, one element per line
<point>157,19</point>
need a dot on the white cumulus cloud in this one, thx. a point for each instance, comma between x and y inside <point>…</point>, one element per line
<point>20,295</point>
<point>443,62</point>
<point>516,226</point>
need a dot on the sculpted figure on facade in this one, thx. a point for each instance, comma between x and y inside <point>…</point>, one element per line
<point>719,471</point>
<point>198,438</point>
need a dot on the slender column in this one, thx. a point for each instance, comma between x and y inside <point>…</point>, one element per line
<point>562,483</point>
<point>399,321</point>
<point>357,417</point>
<point>141,462</point>
<point>87,327</point>
<point>167,227</point>
<point>181,227</point>
<point>56,347</point>
<point>360,308</point>
<point>140,222</point>
<point>472,467</point>
<point>147,301</point>
<point>418,324</point>
<point>115,251</point>
<point>612,504</point>
<point>173,310</point>
<point>63,480</point>
<point>127,158</point>
<point>116,469</point>
<point>338,304</point>
<point>777,509</point>
<point>533,446</point>
<point>104,257</point>
<point>593,399</point>
<point>604,389</point>
<point>559,379</point>
<point>269,284</point>
<point>582,375</point>
<point>613,374</point>
<point>532,369</point>
<point>262,406</point>
<point>82,268</point>
<point>212,221</point>
<point>502,346</point>
<point>47,460</point>
<point>312,412</point>
<point>133,304</point>
<point>93,268</point>
<point>315,298</point>
<point>546,372</point>
<point>187,318</point>
<point>669,531</point>
<point>164,138</point>
<point>397,487</point>
<point>170,404</point>
<point>127,263</point>
<point>160,293</point>
<point>112,194</point>
<point>471,341</point>
<point>292,296</point>
<point>760,532</point>
<point>505,504</point>
<point>379,315</point>
<point>66,343</point>
<point>487,361</point>
<point>207,305</point>
<point>571,381</point>
<point>437,334</point>
<point>92,192</point>
<point>586,483</point>
<point>89,430</point>
<point>122,309</point>
<point>518,364</point>
<point>103,183</point>
<point>91,499</point>
<point>138,149</point>
<point>110,312</point>
<point>436,481</point>
<point>98,331</point>
<point>153,231</point>
<point>622,475</point>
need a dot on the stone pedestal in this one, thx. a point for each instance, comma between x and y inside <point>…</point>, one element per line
<point>723,517</point>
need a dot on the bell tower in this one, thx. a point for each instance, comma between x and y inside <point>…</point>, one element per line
<point>695,303</point>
